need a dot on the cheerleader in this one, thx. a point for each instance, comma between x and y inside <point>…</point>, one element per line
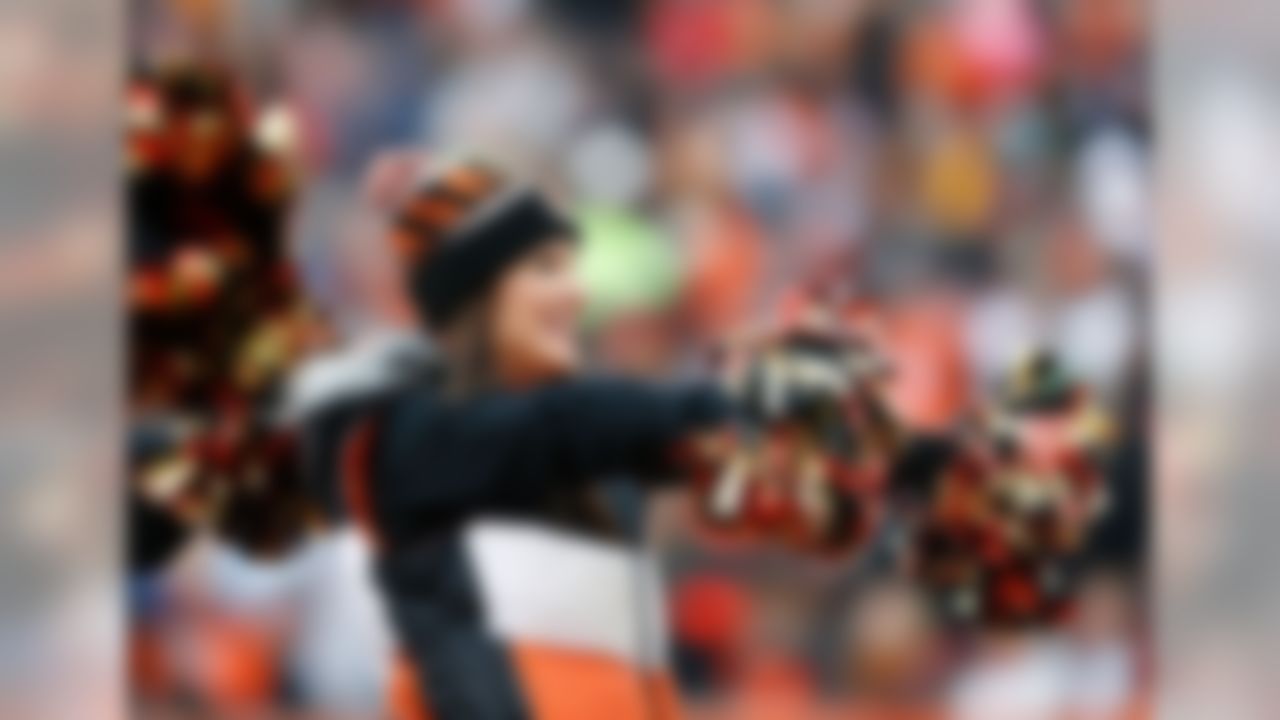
<point>513,594</point>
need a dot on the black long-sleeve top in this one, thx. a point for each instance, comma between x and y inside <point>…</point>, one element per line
<point>415,466</point>
<point>434,461</point>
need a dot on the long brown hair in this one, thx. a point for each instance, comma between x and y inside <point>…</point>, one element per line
<point>466,359</point>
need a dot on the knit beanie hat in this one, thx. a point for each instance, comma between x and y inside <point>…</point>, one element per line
<point>460,229</point>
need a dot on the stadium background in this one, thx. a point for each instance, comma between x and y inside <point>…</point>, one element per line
<point>976,168</point>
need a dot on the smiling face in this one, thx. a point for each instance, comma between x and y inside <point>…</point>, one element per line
<point>535,312</point>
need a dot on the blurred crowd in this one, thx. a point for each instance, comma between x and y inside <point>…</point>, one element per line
<point>973,174</point>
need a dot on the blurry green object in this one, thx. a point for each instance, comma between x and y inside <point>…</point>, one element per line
<point>627,266</point>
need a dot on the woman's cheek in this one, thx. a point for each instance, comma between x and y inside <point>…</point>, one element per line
<point>561,335</point>
<point>566,341</point>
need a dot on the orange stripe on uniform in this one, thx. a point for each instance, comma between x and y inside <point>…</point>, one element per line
<point>560,684</point>
<point>405,699</point>
<point>356,459</point>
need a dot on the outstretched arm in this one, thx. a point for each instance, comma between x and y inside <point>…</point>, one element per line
<point>601,426</point>
<point>768,470</point>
